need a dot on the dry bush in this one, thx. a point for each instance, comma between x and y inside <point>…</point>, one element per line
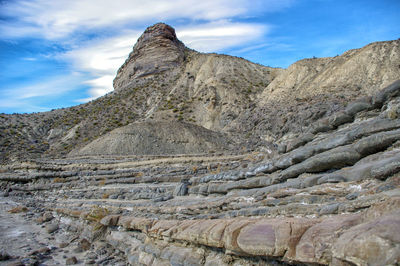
<point>59,180</point>
<point>194,169</point>
<point>97,213</point>
<point>18,209</point>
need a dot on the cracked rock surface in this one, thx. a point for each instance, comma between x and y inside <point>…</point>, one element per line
<point>334,199</point>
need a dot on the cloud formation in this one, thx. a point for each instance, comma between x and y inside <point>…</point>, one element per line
<point>58,19</point>
<point>207,26</point>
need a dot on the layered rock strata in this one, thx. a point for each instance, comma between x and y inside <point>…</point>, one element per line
<point>330,197</point>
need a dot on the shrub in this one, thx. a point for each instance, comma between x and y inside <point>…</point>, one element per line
<point>59,180</point>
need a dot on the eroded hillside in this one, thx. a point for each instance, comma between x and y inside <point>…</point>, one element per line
<point>206,159</point>
<point>162,80</point>
<point>332,198</point>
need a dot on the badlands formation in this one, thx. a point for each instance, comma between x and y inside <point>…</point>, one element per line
<point>207,159</point>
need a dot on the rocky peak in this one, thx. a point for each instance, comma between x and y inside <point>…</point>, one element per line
<point>159,33</point>
<point>157,50</point>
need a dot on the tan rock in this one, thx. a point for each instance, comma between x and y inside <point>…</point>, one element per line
<point>198,231</point>
<point>373,243</point>
<point>273,237</point>
<point>110,220</point>
<point>216,235</point>
<point>141,224</point>
<point>258,238</point>
<point>145,258</point>
<point>125,221</point>
<point>315,244</point>
<point>231,233</point>
<point>163,227</point>
<point>377,210</point>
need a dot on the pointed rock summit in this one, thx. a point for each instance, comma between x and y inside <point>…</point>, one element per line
<point>156,51</point>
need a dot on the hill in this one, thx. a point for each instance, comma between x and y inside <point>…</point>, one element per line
<point>207,159</point>
<point>162,80</point>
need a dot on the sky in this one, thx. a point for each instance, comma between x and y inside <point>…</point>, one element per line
<point>60,53</point>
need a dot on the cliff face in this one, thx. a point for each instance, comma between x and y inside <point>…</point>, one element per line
<point>156,51</point>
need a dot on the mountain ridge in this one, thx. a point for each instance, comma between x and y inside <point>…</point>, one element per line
<point>207,159</point>
<point>251,104</point>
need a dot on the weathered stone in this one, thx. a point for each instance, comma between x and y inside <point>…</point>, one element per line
<point>372,243</point>
<point>335,158</point>
<point>390,91</point>
<point>50,228</point>
<point>141,224</point>
<point>316,243</point>
<point>216,235</point>
<point>231,233</point>
<point>329,209</point>
<point>110,220</point>
<point>358,106</point>
<point>340,119</point>
<point>71,261</point>
<point>376,142</point>
<point>84,244</point>
<point>4,256</point>
<point>181,189</point>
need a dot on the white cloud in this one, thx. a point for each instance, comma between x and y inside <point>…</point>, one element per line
<point>101,60</point>
<point>58,19</point>
<point>220,35</point>
<point>30,98</point>
<point>210,28</point>
<point>51,87</point>
<point>99,87</point>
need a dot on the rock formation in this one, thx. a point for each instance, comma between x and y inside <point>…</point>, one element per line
<point>205,159</point>
<point>156,51</point>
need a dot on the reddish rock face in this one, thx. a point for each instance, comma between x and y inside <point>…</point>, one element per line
<point>157,50</point>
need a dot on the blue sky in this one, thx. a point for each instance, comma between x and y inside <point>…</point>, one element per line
<point>60,53</point>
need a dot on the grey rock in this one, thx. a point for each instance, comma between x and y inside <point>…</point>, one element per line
<point>352,196</point>
<point>300,141</point>
<point>390,91</point>
<point>281,148</point>
<point>331,178</point>
<point>340,119</point>
<point>113,196</point>
<point>71,261</point>
<point>181,189</point>
<point>383,171</point>
<point>329,209</point>
<point>332,159</point>
<point>321,126</point>
<point>4,256</point>
<point>358,106</point>
<point>376,142</point>
<point>50,228</point>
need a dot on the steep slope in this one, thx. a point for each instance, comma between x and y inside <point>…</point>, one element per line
<point>162,80</point>
<point>314,88</point>
<point>355,72</point>
<point>158,50</point>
